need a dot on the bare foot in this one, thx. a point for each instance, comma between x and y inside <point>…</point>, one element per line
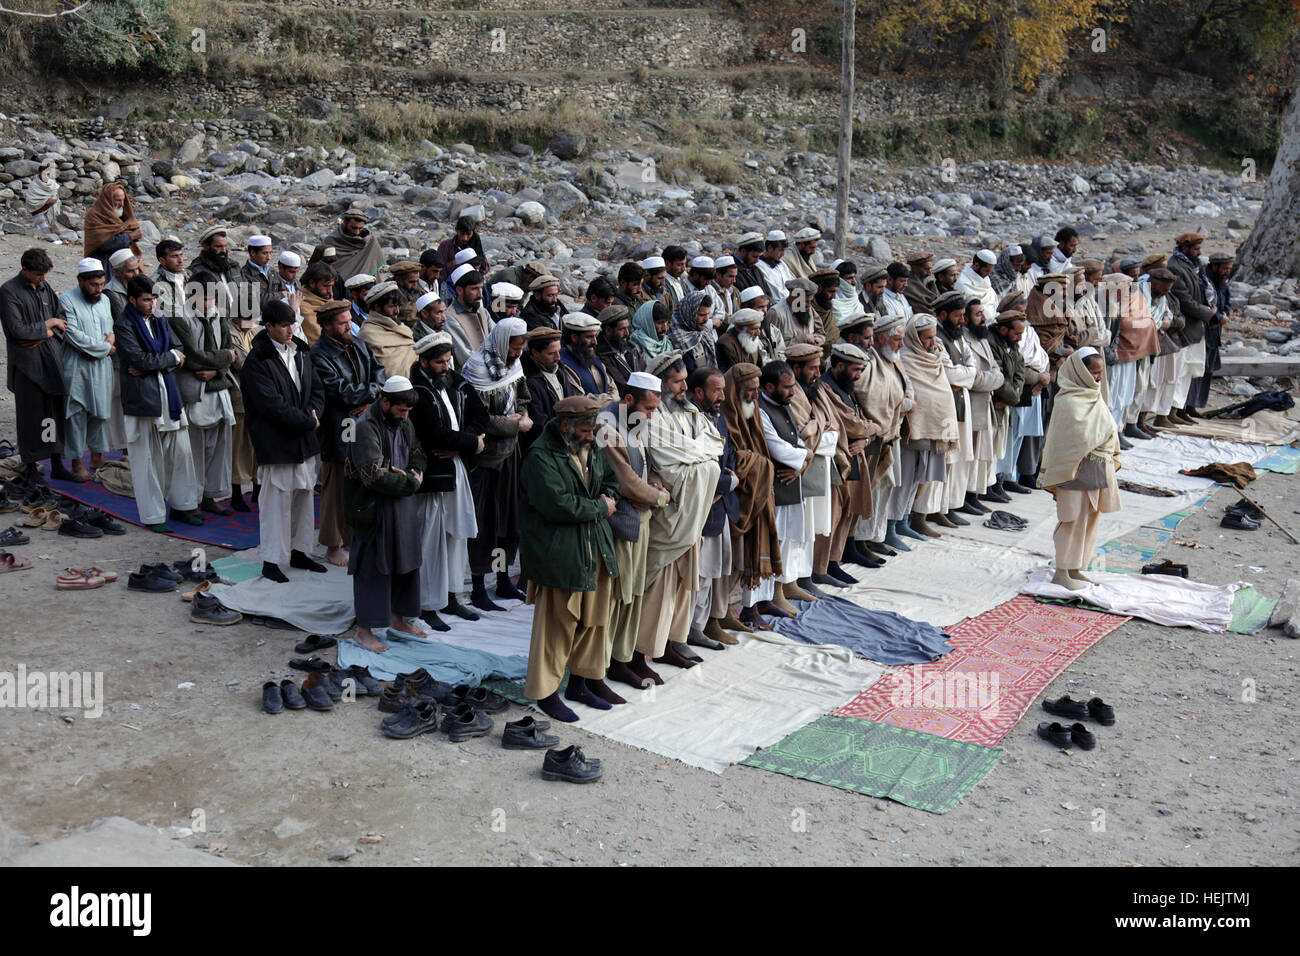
<point>337,557</point>
<point>366,638</point>
<point>79,469</point>
<point>96,461</point>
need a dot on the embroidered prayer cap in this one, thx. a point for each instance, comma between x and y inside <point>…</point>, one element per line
<point>507,292</point>
<point>724,262</point>
<point>396,384</point>
<point>807,234</point>
<point>465,255</point>
<point>88,266</point>
<point>776,236</point>
<point>120,258</point>
<point>460,272</point>
<point>944,264</point>
<point>702,262</point>
<point>361,278</point>
<point>653,263</point>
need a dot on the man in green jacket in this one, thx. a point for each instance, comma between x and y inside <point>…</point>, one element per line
<point>567,493</point>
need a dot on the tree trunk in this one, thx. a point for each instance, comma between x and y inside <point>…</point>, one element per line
<point>1273,246</point>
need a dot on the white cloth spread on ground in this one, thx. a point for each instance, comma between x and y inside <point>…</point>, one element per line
<point>1168,600</point>
<point>1156,463</point>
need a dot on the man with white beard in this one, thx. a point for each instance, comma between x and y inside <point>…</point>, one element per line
<point>741,342</point>
<point>950,310</point>
<point>988,378</point>
<point>683,448</point>
<point>885,396</point>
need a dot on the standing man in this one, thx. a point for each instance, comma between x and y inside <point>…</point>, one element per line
<point>390,340</point>
<point>749,248</point>
<point>921,290</point>
<point>984,416</point>
<point>1198,301</point>
<point>803,261</point>
<point>34,326</point>
<point>791,457</point>
<point>578,360</point>
<point>1219,269</point>
<point>546,386</point>
<point>384,469</point>
<point>125,267</point>
<point>628,295</point>
<point>430,316</point>
<point>157,437</point>
<point>357,247</point>
<point>771,266</point>
<point>567,494</point>
<point>256,271</point>
<point>614,348</point>
<point>88,367</point>
<point>283,404</point>
<point>885,396</point>
<point>543,308</point>
<point>349,379</point>
<point>851,501</point>
<point>468,323</point>
<point>317,288</point>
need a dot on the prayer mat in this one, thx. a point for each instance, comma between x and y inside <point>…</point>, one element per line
<point>1167,600</point>
<point>237,531</point>
<point>719,712</point>
<point>1124,557</point>
<point>1250,611</point>
<point>1284,461</point>
<point>1000,664</point>
<point>880,636</point>
<point>449,663</point>
<point>1158,463</point>
<point>915,769</point>
<point>1266,427</point>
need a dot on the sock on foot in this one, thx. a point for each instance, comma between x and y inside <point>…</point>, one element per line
<point>431,618</point>
<point>580,693</point>
<point>642,669</point>
<point>455,607</point>
<point>272,572</point>
<point>624,674</point>
<point>479,597</point>
<point>603,691</point>
<point>506,589</point>
<point>555,709</point>
<point>299,560</point>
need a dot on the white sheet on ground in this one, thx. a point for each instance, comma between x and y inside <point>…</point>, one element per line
<point>943,581</point>
<point>1174,602</point>
<point>751,695</point>
<point>1039,509</point>
<point>1156,463</point>
<point>314,602</point>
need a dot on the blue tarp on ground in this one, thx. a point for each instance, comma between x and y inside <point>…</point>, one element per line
<point>444,662</point>
<point>880,636</point>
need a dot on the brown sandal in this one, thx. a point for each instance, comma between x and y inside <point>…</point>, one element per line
<point>36,517</point>
<point>13,562</point>
<point>200,588</point>
<point>108,576</point>
<point>79,581</point>
<point>53,519</point>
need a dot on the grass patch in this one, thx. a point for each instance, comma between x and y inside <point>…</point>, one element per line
<point>714,168</point>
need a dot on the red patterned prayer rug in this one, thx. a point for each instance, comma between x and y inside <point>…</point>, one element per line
<point>1000,663</point>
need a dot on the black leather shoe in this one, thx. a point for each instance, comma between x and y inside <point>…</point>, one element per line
<point>415,719</point>
<point>1067,706</point>
<point>526,734</point>
<point>205,609</point>
<point>480,698</point>
<point>1082,737</point>
<point>1244,507</point>
<point>163,570</point>
<point>272,699</point>
<point>73,528</point>
<point>1235,520</point>
<point>463,722</point>
<point>292,695</point>
<point>364,679</point>
<point>698,638</point>
<point>316,695</point>
<point>1102,712</point>
<point>1055,733</point>
<point>571,765</point>
<point>149,581</point>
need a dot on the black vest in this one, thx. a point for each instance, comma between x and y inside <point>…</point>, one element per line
<point>955,353</point>
<point>783,421</point>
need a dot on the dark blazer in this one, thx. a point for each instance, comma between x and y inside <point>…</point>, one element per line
<point>1193,302</point>
<point>24,311</point>
<point>619,365</point>
<point>343,386</point>
<point>278,415</point>
<point>140,393</point>
<point>202,354</point>
<point>434,429</point>
<point>542,400</point>
<point>728,508</point>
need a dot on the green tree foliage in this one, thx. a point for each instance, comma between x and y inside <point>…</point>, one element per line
<point>110,36</point>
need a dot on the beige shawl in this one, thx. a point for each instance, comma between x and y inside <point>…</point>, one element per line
<point>1081,424</point>
<point>935,415</point>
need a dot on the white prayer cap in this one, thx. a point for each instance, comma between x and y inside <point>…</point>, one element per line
<point>646,381</point>
<point>257,242</point>
<point>746,317</point>
<point>701,262</point>
<point>1015,251</point>
<point>835,264</point>
<point>459,271</point>
<point>291,259</point>
<point>507,291</point>
<point>361,278</point>
<point>652,263</point>
<point>987,256</point>
<point>381,290</point>
<point>888,324</point>
<point>397,383</point>
<point>724,262</point>
<point>752,293</point>
<point>856,317</point>
<point>776,235</point>
<point>120,258</point>
<point>424,301</point>
<point>944,263</point>
<point>430,340</point>
<point>581,322</point>
<point>1047,242</point>
<point>806,234</point>
<point>1086,351</point>
<point>465,255</point>
<point>89,264</point>
<point>849,352</point>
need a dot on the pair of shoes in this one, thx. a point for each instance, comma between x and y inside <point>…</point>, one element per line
<point>528,734</point>
<point>96,518</point>
<point>79,579</point>
<point>571,765</point>
<point>205,609</point>
<point>480,698</point>
<point>418,717</point>
<point>1094,709</point>
<point>150,578</point>
<point>12,536</point>
<point>1246,508</point>
<point>1239,521</point>
<point>419,683</point>
<point>1165,567</point>
<point>463,721</point>
<point>276,697</point>
<point>316,692</point>
<point>1063,736</point>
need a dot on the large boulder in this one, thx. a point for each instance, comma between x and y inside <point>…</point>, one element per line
<point>314,107</point>
<point>189,151</point>
<point>567,145</point>
<point>564,199</point>
<point>532,213</point>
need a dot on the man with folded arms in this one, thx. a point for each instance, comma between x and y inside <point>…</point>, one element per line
<point>283,405</point>
<point>567,493</point>
<point>87,366</point>
<point>621,435</point>
<point>157,436</point>
<point>885,396</point>
<point>851,500</point>
<point>684,448</point>
<point>349,379</point>
<point>819,427</point>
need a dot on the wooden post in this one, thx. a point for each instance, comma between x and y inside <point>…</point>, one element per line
<point>847,48</point>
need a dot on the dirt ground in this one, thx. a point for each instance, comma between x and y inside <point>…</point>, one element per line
<point>1190,774</point>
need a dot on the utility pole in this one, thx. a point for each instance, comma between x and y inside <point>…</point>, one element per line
<point>846,129</point>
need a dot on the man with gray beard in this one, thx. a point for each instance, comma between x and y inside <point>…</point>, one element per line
<point>989,378</point>
<point>741,342</point>
<point>885,396</point>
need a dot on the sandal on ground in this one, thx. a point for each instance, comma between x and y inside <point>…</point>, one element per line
<point>313,665</point>
<point>80,581</point>
<point>314,643</point>
<point>108,576</point>
<point>13,562</point>
<point>11,536</point>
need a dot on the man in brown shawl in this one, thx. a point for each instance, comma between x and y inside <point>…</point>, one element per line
<point>111,225</point>
<point>357,249</point>
<point>756,554</point>
<point>851,499</point>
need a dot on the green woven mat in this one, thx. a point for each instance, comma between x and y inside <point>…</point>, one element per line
<point>880,760</point>
<point>1250,610</point>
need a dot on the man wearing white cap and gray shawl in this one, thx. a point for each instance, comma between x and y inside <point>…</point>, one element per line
<point>384,470</point>
<point>87,368</point>
<point>771,266</point>
<point>495,374</point>
<point>449,423</point>
<point>802,260</point>
<point>1011,272</point>
<point>468,322</point>
<point>580,364</point>
<point>430,316</point>
<point>124,267</point>
<point>684,447</point>
<point>43,203</point>
<point>256,270</point>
